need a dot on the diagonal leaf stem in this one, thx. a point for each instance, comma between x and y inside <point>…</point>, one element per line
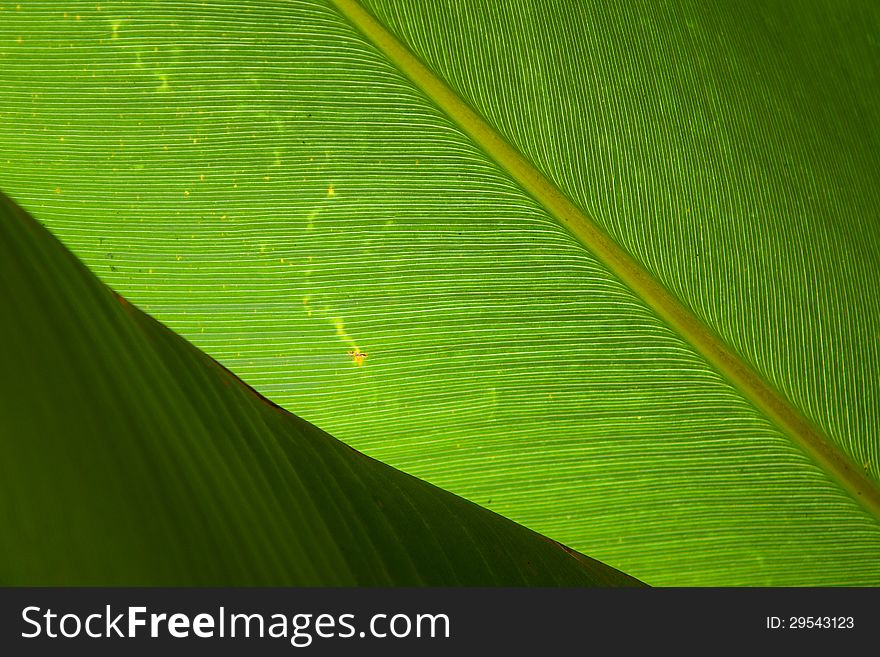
<point>665,304</point>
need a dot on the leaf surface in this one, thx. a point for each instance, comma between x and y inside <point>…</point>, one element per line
<point>129,457</point>
<point>269,183</point>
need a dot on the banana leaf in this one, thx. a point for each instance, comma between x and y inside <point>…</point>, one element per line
<point>130,457</point>
<point>609,269</point>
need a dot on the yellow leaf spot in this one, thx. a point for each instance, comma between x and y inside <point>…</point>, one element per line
<point>179,257</point>
<point>186,193</point>
<point>266,178</point>
<point>358,356</point>
<point>19,40</point>
<point>202,177</point>
<point>57,190</point>
<point>330,191</point>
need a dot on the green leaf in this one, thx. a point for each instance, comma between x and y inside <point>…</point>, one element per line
<point>129,457</point>
<point>634,309</point>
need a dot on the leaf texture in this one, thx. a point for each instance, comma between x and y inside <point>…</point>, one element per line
<point>265,181</point>
<point>129,457</point>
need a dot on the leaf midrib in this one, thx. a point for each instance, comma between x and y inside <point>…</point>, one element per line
<point>639,280</point>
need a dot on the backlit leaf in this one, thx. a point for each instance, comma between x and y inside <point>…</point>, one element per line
<point>270,182</point>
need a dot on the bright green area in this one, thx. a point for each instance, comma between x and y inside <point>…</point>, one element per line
<point>734,150</point>
<point>262,180</point>
<point>129,457</point>
<point>622,265</point>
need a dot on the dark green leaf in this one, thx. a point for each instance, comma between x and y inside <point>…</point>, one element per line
<point>129,457</point>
